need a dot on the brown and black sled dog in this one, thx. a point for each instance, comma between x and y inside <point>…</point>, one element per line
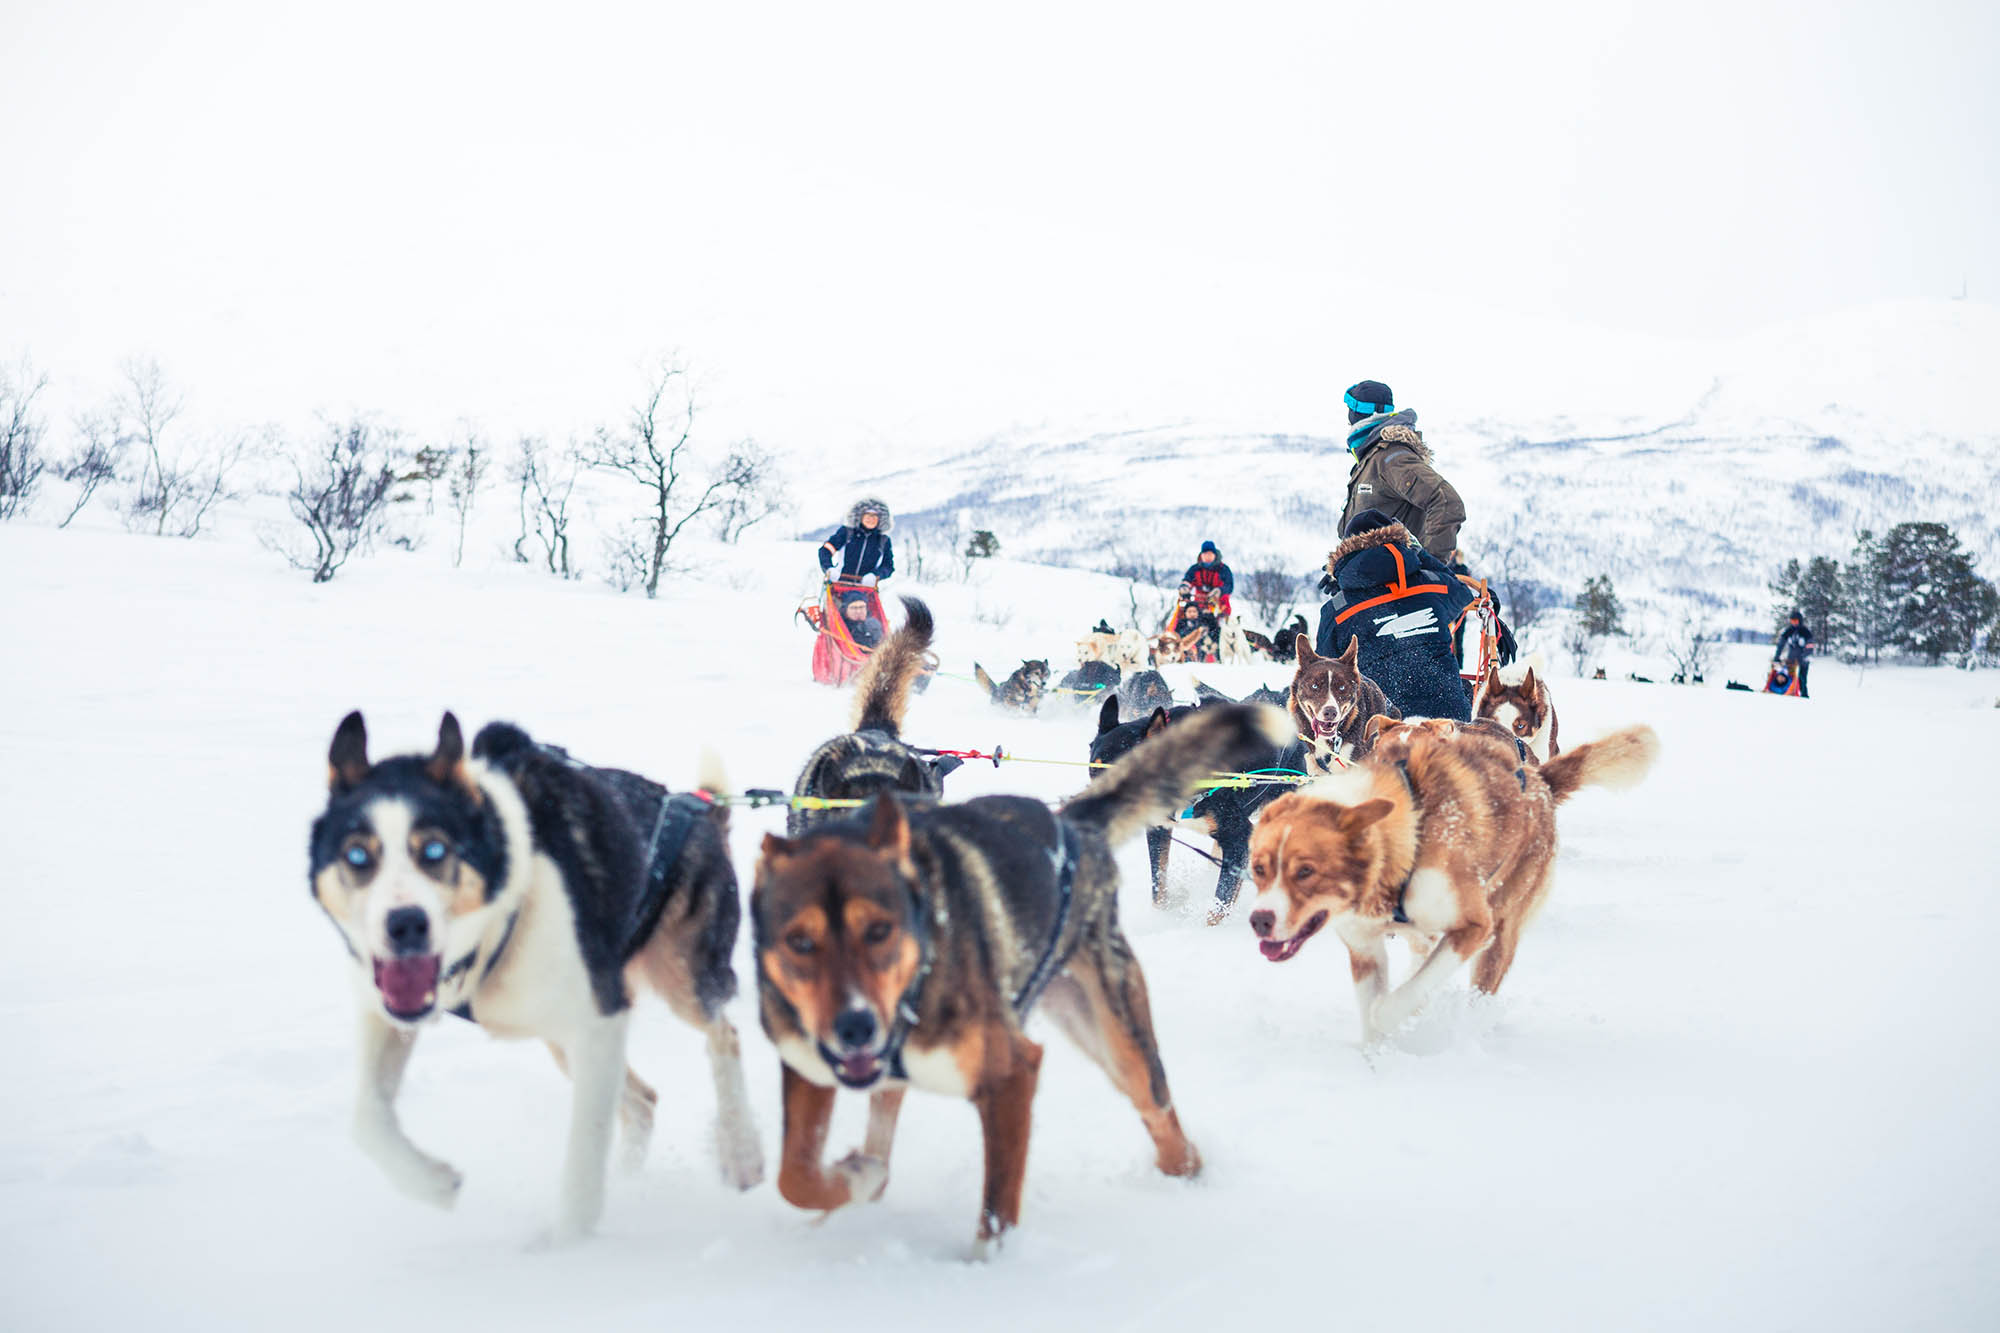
<point>1331,705</point>
<point>1445,831</point>
<point>908,945</point>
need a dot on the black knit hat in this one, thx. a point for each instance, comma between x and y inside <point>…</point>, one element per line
<point>1367,521</point>
<point>1369,398</point>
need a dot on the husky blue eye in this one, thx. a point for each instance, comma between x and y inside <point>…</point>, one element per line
<point>434,851</point>
<point>358,857</point>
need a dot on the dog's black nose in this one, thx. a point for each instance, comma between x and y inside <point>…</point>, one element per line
<point>1262,923</point>
<point>409,930</point>
<point>854,1028</point>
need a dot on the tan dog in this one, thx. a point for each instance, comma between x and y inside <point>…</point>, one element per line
<point>1096,648</point>
<point>1444,830</point>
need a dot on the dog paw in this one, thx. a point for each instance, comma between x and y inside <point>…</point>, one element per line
<point>867,1177</point>
<point>1183,1161</point>
<point>742,1158</point>
<point>431,1181</point>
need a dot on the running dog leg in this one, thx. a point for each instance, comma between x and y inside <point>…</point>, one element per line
<point>596,1059</point>
<point>1370,967</point>
<point>1006,1115</point>
<point>635,1114</point>
<point>803,1179</point>
<point>1232,839</point>
<point>1458,946</point>
<point>385,1053</point>
<point>736,1141</point>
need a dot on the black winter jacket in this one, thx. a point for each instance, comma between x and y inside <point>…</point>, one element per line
<point>1401,602</point>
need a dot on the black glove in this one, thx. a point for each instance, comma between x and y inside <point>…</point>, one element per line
<point>1326,584</point>
<point>1508,649</point>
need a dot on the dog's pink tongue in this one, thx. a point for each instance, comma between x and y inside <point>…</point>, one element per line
<point>1324,726</point>
<point>1274,949</point>
<point>408,985</point>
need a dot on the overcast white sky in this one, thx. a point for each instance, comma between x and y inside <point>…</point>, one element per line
<point>863,222</point>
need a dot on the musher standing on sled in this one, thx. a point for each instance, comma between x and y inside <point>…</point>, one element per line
<point>1206,588</point>
<point>1794,648</point>
<point>862,543</point>
<point>1393,472</point>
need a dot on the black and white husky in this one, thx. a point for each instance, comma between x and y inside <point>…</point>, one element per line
<point>528,893</point>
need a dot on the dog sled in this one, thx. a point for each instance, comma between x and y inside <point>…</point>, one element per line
<point>1196,620</point>
<point>1474,663</point>
<point>843,642</point>
<point>1782,680</point>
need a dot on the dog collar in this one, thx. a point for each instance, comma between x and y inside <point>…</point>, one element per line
<point>913,994</point>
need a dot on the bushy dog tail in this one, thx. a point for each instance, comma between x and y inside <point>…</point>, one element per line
<point>709,777</point>
<point>882,690</point>
<point>498,740</point>
<point>1148,786</point>
<point>1617,761</point>
<point>985,681</point>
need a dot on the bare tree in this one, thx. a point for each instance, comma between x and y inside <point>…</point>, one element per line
<point>97,458</point>
<point>547,481</point>
<point>467,476</point>
<point>177,487</point>
<point>21,429</point>
<point>1274,592</point>
<point>1579,642</point>
<point>1691,643</point>
<point>341,492</point>
<point>1508,557</point>
<point>654,452</point>
<point>426,468</point>
<point>761,494</point>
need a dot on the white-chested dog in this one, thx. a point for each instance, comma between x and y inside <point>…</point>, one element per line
<point>528,893</point>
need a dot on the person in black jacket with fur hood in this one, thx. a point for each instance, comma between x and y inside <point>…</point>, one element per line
<point>1401,602</point>
<point>862,543</point>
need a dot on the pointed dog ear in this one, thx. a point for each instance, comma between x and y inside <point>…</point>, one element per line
<point>889,830</point>
<point>347,758</point>
<point>1492,678</point>
<point>447,762</point>
<point>1353,650</point>
<point>775,847</point>
<point>1303,650</point>
<point>1107,716</point>
<point>1361,816</point>
<point>1527,682</point>
<point>1157,723</point>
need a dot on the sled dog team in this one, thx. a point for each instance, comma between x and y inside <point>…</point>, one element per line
<point>515,886</point>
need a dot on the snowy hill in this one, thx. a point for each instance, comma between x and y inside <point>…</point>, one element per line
<point>1689,487</point>
<point>1735,1079</point>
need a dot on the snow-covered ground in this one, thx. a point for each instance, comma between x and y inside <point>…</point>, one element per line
<point>1742,1076</point>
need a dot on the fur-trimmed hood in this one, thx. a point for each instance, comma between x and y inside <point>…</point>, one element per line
<point>1395,534</point>
<point>870,502</point>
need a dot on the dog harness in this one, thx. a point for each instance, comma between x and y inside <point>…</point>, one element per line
<point>1063,858</point>
<point>1402,918</point>
<point>1399,590</point>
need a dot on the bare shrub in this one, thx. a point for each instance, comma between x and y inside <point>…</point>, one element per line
<point>97,459</point>
<point>758,494</point>
<point>654,452</point>
<point>1691,643</point>
<point>178,485</point>
<point>21,428</point>
<point>546,480</point>
<point>464,480</point>
<point>340,494</point>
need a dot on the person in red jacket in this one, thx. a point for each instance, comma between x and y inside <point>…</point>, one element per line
<point>1210,579</point>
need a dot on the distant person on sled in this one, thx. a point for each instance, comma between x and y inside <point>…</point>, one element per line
<point>1401,603</point>
<point>862,543</point>
<point>1794,648</point>
<point>1204,601</point>
<point>1393,472</point>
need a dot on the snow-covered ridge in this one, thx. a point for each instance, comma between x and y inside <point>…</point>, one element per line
<point>1752,451</point>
